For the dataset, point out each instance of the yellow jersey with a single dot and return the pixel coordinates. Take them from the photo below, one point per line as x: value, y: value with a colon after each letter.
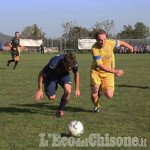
x: 104, y: 55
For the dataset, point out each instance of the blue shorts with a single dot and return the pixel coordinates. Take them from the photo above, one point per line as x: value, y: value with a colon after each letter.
x: 50, y: 85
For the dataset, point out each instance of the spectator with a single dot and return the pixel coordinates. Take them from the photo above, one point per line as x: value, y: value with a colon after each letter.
x: 144, y: 49
x: 122, y: 49
x: 140, y: 49
x: 126, y: 50
x: 42, y: 48
x: 135, y: 49
x: 148, y: 48
x: 1, y: 48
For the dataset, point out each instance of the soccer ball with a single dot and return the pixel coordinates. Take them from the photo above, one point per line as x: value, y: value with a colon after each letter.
x: 75, y: 128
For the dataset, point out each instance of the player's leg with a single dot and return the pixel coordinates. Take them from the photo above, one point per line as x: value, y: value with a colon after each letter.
x: 64, y: 99
x: 50, y: 88
x: 95, y: 98
x: 95, y: 82
x: 65, y: 82
x: 109, y: 93
x: 16, y: 61
x: 16, y: 58
x: 108, y: 85
x: 12, y: 60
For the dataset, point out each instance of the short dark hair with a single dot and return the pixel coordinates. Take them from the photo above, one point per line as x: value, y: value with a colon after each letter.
x: 99, y: 32
x: 69, y: 60
x: 16, y: 32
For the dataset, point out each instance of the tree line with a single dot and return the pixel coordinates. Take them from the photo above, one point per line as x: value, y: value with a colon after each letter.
x: 72, y: 31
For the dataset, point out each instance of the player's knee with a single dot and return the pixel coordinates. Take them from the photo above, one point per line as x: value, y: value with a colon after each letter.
x: 17, y: 58
x: 52, y: 97
x: 68, y: 91
x: 109, y: 95
x: 94, y: 96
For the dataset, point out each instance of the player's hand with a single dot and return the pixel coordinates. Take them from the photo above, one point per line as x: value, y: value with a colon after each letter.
x: 77, y: 93
x: 119, y: 73
x: 131, y: 49
x: 14, y: 48
x: 39, y: 94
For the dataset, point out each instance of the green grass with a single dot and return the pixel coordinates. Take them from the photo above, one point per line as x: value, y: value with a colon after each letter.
x: 22, y: 119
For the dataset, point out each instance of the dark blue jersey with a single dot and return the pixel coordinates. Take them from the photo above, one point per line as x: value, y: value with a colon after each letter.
x: 56, y: 69
x: 15, y: 43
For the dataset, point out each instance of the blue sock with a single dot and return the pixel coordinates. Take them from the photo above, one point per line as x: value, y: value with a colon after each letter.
x: 63, y: 103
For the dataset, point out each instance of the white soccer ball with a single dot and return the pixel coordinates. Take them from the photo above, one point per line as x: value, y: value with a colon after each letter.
x: 75, y: 128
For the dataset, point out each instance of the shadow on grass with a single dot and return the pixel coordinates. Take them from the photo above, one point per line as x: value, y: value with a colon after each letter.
x: 52, y: 107
x: 14, y: 110
x: 2, y: 68
x: 36, y: 109
x: 133, y: 86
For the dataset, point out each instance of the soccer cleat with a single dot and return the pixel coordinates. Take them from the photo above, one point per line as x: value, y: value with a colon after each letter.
x: 14, y: 68
x: 96, y: 109
x: 8, y: 63
x: 59, y: 113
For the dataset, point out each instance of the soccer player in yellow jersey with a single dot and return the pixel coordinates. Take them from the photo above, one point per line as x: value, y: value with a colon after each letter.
x: 103, y: 67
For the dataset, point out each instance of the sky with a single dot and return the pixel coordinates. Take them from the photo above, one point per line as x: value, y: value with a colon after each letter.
x: 50, y: 14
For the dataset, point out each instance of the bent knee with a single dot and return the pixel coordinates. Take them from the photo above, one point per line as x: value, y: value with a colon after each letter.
x: 68, y: 91
x: 109, y: 95
x: 94, y: 96
x: 52, y: 97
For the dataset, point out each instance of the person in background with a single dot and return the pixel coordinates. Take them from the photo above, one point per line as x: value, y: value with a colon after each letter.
x: 148, y: 48
x: 1, y: 48
x: 42, y: 48
x: 14, y: 44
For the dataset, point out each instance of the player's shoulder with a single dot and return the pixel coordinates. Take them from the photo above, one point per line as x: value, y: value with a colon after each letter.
x: 12, y: 39
x: 110, y: 40
x: 114, y: 42
x: 94, y: 45
x: 58, y: 57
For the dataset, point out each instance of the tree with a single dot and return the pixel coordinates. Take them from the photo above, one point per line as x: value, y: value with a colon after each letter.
x: 107, y: 25
x: 140, y: 31
x: 67, y: 26
x: 72, y: 32
x: 78, y: 32
x: 127, y: 32
x: 32, y: 32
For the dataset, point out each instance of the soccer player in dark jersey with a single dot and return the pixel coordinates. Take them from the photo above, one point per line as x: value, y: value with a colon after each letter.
x: 57, y: 72
x: 14, y: 44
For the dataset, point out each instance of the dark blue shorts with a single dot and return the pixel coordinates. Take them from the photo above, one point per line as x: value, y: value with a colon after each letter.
x: 50, y: 85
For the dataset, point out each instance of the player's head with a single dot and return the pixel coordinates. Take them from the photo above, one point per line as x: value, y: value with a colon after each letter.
x: 100, y: 37
x: 16, y: 34
x: 69, y: 61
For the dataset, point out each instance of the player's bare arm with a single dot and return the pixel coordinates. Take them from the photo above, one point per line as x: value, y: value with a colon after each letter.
x: 39, y: 93
x: 107, y: 69
x: 76, y: 78
x: 10, y: 45
x: 126, y: 45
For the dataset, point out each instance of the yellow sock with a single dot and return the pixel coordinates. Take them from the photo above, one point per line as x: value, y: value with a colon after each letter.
x: 96, y: 102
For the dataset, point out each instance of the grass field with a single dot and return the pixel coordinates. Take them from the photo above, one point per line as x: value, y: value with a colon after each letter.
x: 22, y: 119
